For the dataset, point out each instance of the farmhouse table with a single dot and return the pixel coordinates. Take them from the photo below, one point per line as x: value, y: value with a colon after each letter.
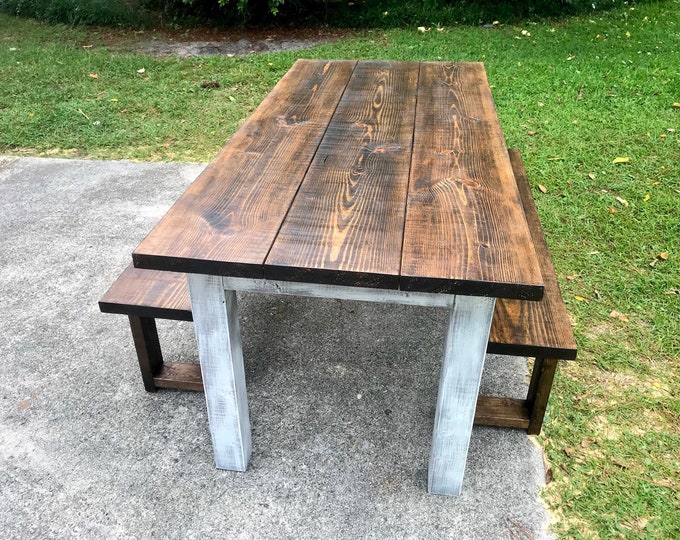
x: 366, y: 180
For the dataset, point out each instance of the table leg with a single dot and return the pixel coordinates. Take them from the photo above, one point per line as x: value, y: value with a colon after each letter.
x: 219, y: 350
x: 461, y: 373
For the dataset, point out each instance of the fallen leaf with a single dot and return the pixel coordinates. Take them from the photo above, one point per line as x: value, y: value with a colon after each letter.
x: 612, y: 210
x: 572, y: 277
x: 672, y: 291
x: 542, y: 188
x: 531, y: 133
x: 676, y: 105
x: 142, y: 70
x: 579, y: 298
x: 94, y: 76
x: 663, y: 256
x: 646, y: 197
x: 232, y: 98
x: 653, y: 263
x: 113, y: 100
x: 621, y: 160
x: 620, y: 316
x: 623, y: 201
x: 422, y: 29
x: 591, y: 175
x: 570, y: 451
x: 667, y: 483
x: 587, y: 442
x: 210, y: 84
x: 25, y: 404
x: 598, y: 295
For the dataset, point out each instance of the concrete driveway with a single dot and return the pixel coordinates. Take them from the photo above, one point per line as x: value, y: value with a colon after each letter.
x: 341, y: 395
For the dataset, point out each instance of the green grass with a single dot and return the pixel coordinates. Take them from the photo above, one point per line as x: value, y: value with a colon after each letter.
x: 572, y: 94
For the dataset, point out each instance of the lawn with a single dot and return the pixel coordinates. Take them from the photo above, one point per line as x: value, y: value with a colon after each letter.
x: 593, y: 103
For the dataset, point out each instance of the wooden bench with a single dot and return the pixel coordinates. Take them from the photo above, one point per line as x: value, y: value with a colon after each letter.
x: 520, y: 328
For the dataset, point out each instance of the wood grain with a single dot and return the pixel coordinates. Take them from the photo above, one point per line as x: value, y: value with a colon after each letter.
x: 539, y: 391
x: 346, y: 224
x: 533, y: 328
x: 148, y: 293
x: 226, y: 220
x: 461, y: 373
x: 465, y: 230
x: 502, y: 412
x: 218, y: 337
x: 179, y: 375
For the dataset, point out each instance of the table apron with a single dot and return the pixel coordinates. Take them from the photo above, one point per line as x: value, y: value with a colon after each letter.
x: 339, y: 292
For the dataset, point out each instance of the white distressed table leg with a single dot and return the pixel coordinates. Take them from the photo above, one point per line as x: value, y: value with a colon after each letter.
x: 461, y: 373
x: 219, y: 349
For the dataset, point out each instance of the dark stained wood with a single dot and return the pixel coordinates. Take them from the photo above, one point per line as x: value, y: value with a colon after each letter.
x: 346, y: 224
x: 465, y: 231
x: 148, y: 293
x: 305, y: 192
x: 181, y: 376
x: 539, y: 391
x: 145, y: 337
x: 541, y: 329
x: 502, y: 412
x: 225, y: 222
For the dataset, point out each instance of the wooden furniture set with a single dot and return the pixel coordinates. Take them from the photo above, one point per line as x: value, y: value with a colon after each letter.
x: 377, y: 181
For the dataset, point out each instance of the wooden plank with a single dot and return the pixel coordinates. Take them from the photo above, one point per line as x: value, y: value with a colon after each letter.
x: 219, y: 349
x: 317, y: 290
x: 148, y: 349
x: 465, y: 230
x: 539, y: 392
x: 181, y: 376
x: 461, y: 374
x: 346, y: 224
x: 502, y: 412
x: 225, y: 222
x: 148, y: 293
x: 534, y: 328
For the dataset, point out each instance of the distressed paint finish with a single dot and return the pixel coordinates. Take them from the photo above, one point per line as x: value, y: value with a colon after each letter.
x: 461, y: 373
x: 219, y: 349
x: 339, y: 292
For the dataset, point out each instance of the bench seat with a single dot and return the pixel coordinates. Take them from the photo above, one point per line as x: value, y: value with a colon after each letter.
x: 520, y: 328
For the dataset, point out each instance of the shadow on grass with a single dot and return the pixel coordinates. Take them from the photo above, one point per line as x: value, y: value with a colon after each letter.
x: 396, y: 13
x: 334, y: 13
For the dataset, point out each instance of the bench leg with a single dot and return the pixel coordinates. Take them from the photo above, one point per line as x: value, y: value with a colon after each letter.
x: 219, y: 349
x: 461, y: 373
x: 539, y: 392
x: 145, y: 336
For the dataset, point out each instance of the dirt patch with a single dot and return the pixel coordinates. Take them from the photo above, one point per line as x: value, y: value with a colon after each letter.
x: 207, y: 41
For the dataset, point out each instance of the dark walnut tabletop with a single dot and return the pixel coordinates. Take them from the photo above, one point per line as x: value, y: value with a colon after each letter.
x: 373, y: 174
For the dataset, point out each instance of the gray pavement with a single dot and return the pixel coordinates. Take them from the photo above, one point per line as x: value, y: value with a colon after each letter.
x: 341, y: 395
